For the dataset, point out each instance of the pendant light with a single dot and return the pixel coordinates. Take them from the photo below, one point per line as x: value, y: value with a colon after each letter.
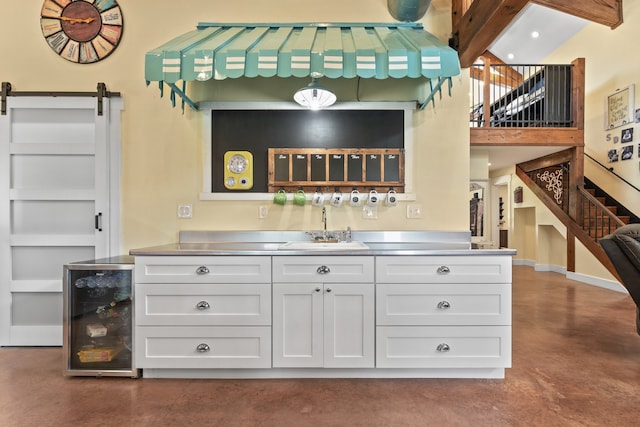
x: 314, y: 96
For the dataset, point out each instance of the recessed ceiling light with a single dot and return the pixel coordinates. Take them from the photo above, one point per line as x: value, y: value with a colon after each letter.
x: 535, y: 34
x: 510, y: 55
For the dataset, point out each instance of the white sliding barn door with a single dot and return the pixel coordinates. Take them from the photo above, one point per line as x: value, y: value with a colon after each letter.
x: 55, y: 206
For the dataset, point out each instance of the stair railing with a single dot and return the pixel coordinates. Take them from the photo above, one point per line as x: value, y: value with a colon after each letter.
x: 594, y: 217
x: 610, y: 169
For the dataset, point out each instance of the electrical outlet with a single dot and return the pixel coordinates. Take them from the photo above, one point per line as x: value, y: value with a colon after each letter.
x: 185, y: 211
x: 370, y: 212
x: 414, y: 211
x: 263, y: 211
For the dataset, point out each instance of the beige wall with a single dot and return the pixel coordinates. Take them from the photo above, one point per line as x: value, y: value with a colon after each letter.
x: 162, y: 146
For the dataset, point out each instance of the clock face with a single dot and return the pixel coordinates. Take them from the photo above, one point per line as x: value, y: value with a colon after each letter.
x: 237, y: 163
x: 82, y: 31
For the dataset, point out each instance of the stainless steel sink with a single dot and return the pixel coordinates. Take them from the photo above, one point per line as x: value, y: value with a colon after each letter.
x: 323, y: 245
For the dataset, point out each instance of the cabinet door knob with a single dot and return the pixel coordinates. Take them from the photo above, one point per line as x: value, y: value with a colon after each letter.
x: 318, y: 289
x: 328, y: 289
x: 323, y: 269
x: 443, y: 269
x: 443, y: 305
x: 202, y: 305
x: 203, y: 348
x: 443, y: 348
x: 202, y: 270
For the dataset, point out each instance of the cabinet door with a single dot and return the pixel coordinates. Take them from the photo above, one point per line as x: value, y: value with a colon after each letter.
x: 58, y: 204
x: 297, y: 325
x: 349, y: 325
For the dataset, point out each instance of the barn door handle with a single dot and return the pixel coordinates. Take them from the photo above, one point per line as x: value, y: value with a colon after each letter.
x: 98, y: 220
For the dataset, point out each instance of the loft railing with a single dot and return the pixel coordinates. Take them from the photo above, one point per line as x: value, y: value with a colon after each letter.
x: 521, y: 96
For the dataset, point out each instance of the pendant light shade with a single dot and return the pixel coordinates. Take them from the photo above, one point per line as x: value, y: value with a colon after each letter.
x: 314, y: 96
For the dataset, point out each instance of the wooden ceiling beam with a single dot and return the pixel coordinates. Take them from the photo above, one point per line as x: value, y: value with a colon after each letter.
x: 480, y: 25
x: 507, y: 72
x: 605, y: 12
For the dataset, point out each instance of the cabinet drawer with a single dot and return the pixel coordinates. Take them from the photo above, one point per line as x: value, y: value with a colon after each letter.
x: 203, y: 347
x: 443, y: 347
x: 203, y: 304
x: 323, y: 269
x: 444, y: 269
x: 443, y: 304
x: 203, y: 269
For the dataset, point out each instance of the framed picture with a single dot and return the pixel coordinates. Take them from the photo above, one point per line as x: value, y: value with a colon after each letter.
x: 619, y: 108
x: 627, y: 152
x: 612, y: 155
x: 627, y: 135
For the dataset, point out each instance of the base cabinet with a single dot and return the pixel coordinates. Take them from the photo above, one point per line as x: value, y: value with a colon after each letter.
x: 286, y: 316
x: 323, y: 325
x: 203, y: 312
x: 443, y: 312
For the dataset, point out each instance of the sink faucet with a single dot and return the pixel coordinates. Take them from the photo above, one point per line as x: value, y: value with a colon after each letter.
x: 324, y: 224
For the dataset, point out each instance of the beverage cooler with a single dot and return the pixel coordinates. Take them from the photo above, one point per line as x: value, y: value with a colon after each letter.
x: 98, y: 318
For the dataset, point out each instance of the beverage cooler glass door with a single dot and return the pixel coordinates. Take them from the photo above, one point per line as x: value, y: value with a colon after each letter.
x: 98, y: 320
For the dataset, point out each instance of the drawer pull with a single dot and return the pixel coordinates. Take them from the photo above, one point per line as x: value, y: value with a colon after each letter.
x: 443, y: 269
x: 202, y: 305
x: 443, y: 348
x: 443, y: 305
x: 202, y: 270
x: 203, y: 348
x: 323, y: 269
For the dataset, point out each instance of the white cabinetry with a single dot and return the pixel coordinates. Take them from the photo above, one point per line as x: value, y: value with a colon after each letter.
x: 443, y: 312
x: 323, y: 312
x: 203, y: 312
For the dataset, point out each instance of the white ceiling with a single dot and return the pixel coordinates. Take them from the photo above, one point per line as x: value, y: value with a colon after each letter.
x: 554, y: 27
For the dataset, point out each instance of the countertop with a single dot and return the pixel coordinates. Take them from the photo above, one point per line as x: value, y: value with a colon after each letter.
x: 271, y: 243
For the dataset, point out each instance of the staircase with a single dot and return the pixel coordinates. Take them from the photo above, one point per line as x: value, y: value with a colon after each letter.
x: 600, y: 219
x: 587, y: 212
x: 615, y: 207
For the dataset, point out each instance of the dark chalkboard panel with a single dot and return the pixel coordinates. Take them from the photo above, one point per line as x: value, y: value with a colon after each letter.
x: 336, y: 167
x: 318, y: 167
x: 259, y: 130
x: 391, y: 167
x: 281, y: 162
x: 300, y: 167
x: 354, y: 165
x: 373, y: 167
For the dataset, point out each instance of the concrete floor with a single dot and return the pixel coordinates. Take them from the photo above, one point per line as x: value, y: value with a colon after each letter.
x: 576, y: 362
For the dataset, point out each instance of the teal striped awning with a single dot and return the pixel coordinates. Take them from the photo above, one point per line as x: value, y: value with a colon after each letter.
x: 339, y: 50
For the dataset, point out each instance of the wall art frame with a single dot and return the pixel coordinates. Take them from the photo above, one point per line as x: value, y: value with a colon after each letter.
x: 620, y: 108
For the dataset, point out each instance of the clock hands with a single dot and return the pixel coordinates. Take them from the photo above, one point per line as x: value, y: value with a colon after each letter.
x: 77, y: 20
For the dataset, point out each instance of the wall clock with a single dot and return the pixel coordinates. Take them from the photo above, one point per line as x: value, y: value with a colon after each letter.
x: 82, y: 31
x: 238, y: 171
